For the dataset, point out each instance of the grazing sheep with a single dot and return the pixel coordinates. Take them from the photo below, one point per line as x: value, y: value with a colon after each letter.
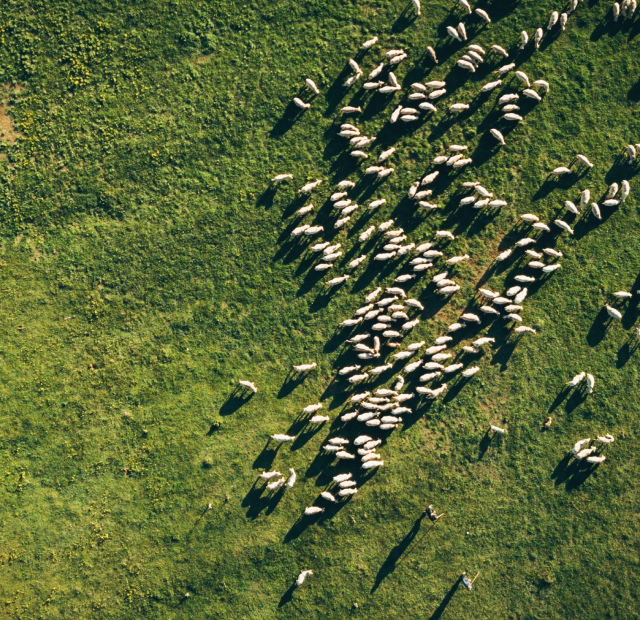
x: 250, y: 385
x: 301, y: 104
x: 596, y: 459
x: 305, y: 367
x: 272, y: 486
x: 281, y: 177
x: 497, y: 429
x: 613, y: 312
x: 282, y: 438
x: 267, y: 475
x: 524, y: 39
x: 291, y: 480
x: 313, y: 510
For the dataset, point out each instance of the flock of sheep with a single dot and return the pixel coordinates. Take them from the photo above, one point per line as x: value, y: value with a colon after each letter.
x: 386, y: 318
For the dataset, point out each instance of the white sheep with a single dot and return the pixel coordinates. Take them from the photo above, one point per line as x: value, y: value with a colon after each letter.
x: 497, y: 429
x: 305, y: 367
x: 313, y: 510
x: 538, y: 37
x: 613, y: 312
x: 301, y: 104
x: 524, y: 39
x: 282, y: 438
x: 291, y: 480
x: 267, y: 475
x: 250, y: 385
x: 281, y: 177
x: 272, y: 486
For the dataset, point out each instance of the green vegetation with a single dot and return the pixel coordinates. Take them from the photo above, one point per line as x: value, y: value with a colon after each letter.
x: 144, y: 271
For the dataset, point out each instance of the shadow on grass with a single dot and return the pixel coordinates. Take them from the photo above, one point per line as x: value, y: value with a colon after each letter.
x: 437, y: 614
x: 399, y: 552
x: 291, y: 382
x: 599, y: 328
x: 256, y: 501
x: 572, y: 472
x: 287, y: 597
x: 235, y: 400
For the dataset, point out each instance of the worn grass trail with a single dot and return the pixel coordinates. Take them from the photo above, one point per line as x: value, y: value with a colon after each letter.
x: 145, y: 269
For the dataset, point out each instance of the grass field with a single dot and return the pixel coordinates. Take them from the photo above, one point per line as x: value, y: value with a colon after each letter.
x: 145, y: 268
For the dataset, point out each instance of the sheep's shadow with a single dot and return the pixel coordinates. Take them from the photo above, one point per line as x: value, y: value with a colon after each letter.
x: 238, y: 397
x: 576, y: 399
x: 484, y: 444
x: 626, y: 351
x: 265, y: 459
x: 257, y: 502
x: 292, y: 114
x: 599, y: 328
x: 572, y: 473
x: 399, y: 552
x: 564, y: 392
x: 291, y: 382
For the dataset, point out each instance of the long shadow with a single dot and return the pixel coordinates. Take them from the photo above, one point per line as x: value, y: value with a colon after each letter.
x: 291, y: 382
x: 576, y: 399
x: 287, y: 597
x: 599, y: 328
x: 484, y: 444
x: 397, y: 553
x: 564, y: 392
x: 437, y: 614
x: 300, y: 526
x: 405, y: 19
x: 265, y: 459
x: 625, y: 352
x: 267, y: 197
x: 291, y: 115
x: 572, y: 473
x: 235, y: 400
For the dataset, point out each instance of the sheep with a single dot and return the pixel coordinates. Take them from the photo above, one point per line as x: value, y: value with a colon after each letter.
x: 538, y: 37
x: 542, y: 84
x: 498, y: 136
x: 465, y: 5
x: 292, y: 478
x: 532, y: 94
x: 484, y: 15
x: 571, y: 207
x: 267, y: 475
x: 552, y: 252
x: 562, y: 224
x: 312, y: 408
x: 497, y: 429
x: 607, y: 439
x: 614, y: 313
x: 385, y: 172
x: 611, y: 202
x: 523, y: 329
x: 346, y: 418
x: 560, y: 171
x: 551, y: 268
x: 301, y: 104
x: 616, y: 11
x: 272, y: 486
x: 369, y: 44
x: 349, y: 109
x: 305, y: 367
x: 541, y: 226
x: 452, y: 368
x: 504, y: 255
x: 500, y: 50
x: 372, y: 464
x: 454, y: 327
x: 482, y: 341
x: 622, y: 295
x: 458, y: 107
x: 502, y: 301
x: 452, y: 32
x: 313, y: 510
x: 521, y: 296
x: 448, y: 290
x: 341, y: 222
x: 338, y: 441
x: 319, y: 419
x: 313, y: 230
x: 524, y: 279
x: 416, y: 5
x: 524, y: 39
x: 583, y: 160
x: 553, y: 20
x: 347, y: 492
x: 563, y: 21
x: 372, y: 456
x: 596, y: 459
x: 498, y: 203
x: 281, y: 177
x: 523, y: 78
x: 436, y: 94
x: 470, y: 317
x: 626, y: 189
x: 469, y: 372
x: 336, y: 281
x: 250, y: 385
x: 366, y: 234
x: 595, y: 209
x: 585, y: 453
x: 343, y: 455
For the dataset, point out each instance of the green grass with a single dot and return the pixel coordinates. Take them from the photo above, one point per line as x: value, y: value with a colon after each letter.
x: 143, y: 272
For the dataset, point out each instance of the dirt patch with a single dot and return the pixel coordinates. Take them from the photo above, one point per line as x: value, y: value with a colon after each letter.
x: 8, y: 132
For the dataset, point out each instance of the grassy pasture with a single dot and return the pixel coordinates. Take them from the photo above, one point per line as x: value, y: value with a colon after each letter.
x: 145, y: 268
